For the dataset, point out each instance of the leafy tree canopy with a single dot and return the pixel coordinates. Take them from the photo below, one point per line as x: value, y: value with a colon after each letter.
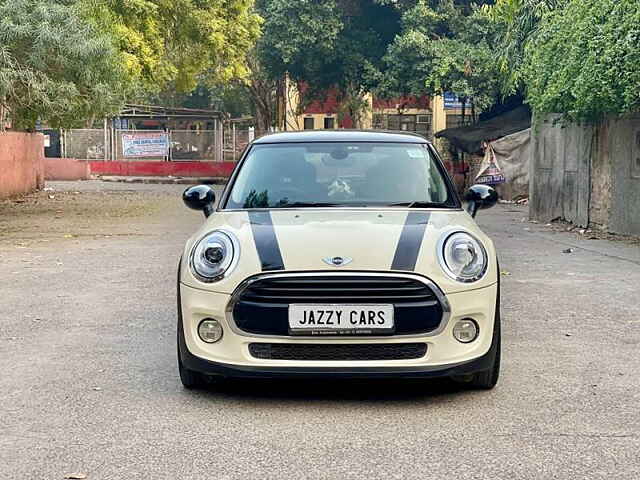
x: 584, y: 60
x: 330, y: 43
x: 55, y: 66
x: 180, y: 42
x: 514, y: 23
x: 68, y: 61
x: 443, y: 45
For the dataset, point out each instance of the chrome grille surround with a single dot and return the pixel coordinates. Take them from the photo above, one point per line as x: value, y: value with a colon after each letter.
x: 236, y: 296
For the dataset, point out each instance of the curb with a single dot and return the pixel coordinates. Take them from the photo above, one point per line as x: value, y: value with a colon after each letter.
x: 165, y: 180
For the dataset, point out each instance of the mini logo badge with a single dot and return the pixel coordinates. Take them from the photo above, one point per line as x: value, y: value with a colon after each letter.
x: 337, y: 261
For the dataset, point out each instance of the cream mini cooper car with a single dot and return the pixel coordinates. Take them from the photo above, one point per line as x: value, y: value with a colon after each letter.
x: 339, y: 254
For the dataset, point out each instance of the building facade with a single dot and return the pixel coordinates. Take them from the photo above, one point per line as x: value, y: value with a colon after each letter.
x: 424, y: 115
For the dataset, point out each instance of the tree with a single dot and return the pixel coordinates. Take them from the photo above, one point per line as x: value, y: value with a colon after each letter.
x: 179, y: 43
x: 262, y: 89
x: 55, y: 66
x: 515, y: 23
x: 328, y: 44
x: 584, y: 60
x: 443, y: 46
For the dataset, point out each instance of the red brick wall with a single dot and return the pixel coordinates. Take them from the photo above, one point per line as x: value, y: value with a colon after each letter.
x: 21, y: 163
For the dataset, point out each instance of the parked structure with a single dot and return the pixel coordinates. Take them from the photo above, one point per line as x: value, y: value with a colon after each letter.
x: 505, y: 137
x: 146, y: 140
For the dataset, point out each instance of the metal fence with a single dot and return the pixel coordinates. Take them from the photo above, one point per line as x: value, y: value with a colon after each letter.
x: 92, y: 144
x: 408, y: 123
x: 107, y: 144
x: 193, y: 145
x: 236, y: 139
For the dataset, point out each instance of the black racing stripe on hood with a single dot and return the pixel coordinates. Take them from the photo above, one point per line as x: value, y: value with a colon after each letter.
x: 266, y: 241
x: 410, y: 241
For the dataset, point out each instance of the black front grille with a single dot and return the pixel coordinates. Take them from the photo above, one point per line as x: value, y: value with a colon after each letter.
x: 286, y: 290
x: 262, y: 307
x: 355, y: 352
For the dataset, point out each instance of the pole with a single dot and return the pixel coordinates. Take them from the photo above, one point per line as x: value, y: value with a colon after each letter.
x: 114, y: 143
x: 233, y: 130
x: 215, y: 140
x: 220, y: 140
x: 106, y: 149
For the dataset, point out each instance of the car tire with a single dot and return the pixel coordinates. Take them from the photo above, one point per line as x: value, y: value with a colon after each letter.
x: 487, y: 379
x: 190, y: 379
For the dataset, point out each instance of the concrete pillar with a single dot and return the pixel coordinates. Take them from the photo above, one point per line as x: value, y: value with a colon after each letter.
x: 439, y: 114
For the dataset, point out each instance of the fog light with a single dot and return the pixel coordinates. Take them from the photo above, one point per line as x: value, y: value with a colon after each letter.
x: 466, y: 331
x: 210, y: 330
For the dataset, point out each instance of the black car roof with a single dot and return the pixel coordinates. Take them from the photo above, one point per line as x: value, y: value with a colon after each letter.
x: 342, y: 136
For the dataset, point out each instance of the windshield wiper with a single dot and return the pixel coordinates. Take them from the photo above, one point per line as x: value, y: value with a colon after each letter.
x: 418, y: 204
x: 306, y: 204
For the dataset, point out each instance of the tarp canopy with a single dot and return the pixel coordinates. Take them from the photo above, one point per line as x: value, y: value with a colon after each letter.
x: 469, y: 139
x: 513, y: 154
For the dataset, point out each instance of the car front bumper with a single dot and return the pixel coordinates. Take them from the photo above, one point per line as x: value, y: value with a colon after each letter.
x: 230, y: 357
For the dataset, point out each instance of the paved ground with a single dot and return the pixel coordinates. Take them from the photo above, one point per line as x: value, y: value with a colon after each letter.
x: 89, y: 382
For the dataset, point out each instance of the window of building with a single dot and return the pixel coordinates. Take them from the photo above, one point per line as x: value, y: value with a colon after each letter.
x: 380, y: 121
x: 329, y: 123
x: 308, y: 123
x: 454, y: 121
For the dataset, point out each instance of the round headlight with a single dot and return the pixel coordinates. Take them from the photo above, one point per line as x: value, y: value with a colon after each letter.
x: 463, y: 257
x: 213, y: 256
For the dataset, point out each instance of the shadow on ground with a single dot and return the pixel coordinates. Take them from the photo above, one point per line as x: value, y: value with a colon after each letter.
x: 334, y: 390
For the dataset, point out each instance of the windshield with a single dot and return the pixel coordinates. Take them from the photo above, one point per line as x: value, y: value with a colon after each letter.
x: 339, y: 174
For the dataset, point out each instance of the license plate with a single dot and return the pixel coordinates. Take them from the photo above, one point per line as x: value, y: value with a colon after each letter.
x: 340, y: 319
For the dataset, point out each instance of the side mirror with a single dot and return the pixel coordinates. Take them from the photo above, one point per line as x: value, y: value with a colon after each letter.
x: 480, y: 197
x: 200, y: 197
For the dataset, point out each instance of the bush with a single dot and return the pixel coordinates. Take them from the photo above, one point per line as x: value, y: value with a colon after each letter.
x: 584, y: 61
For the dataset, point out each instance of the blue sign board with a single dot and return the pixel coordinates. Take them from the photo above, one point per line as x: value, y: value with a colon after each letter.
x: 451, y: 101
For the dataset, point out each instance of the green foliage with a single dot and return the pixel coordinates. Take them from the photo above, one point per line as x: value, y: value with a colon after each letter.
x: 443, y: 46
x: 327, y: 44
x: 55, y: 66
x: 178, y: 43
x: 514, y: 23
x: 584, y: 60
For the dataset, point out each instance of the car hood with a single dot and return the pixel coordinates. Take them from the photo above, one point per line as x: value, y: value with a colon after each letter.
x: 368, y: 240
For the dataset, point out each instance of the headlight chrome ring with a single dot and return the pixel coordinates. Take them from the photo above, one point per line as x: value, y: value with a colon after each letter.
x: 462, y: 256
x: 214, y: 256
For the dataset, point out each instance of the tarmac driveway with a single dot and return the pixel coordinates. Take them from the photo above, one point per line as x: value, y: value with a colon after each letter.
x: 89, y: 382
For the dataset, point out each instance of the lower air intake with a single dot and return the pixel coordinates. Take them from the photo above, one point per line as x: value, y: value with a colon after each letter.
x: 337, y: 352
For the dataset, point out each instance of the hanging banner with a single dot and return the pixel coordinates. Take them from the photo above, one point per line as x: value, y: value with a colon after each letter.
x: 490, y: 171
x: 145, y: 144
